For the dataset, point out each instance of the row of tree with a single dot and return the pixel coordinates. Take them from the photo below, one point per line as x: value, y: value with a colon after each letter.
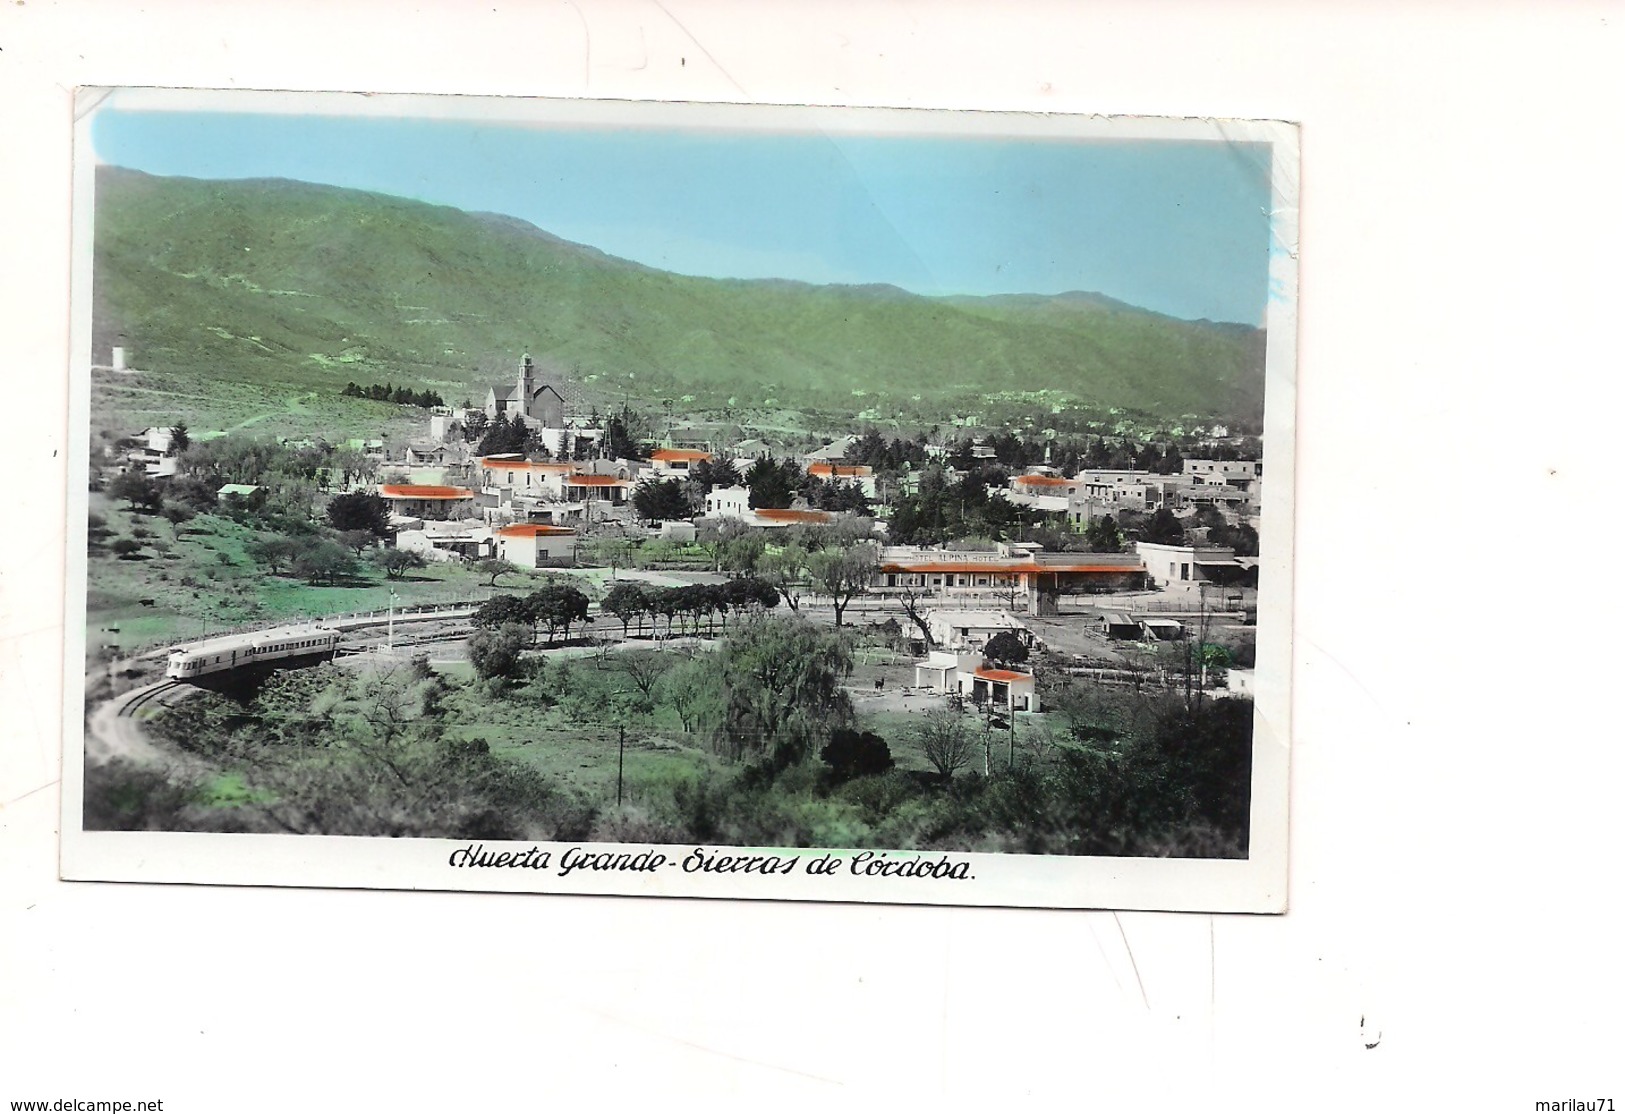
x: 558, y: 607
x: 685, y: 606
x: 385, y: 392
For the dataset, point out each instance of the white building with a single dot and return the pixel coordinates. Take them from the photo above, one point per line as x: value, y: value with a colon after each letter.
x: 1235, y: 472
x: 971, y: 630
x: 966, y: 675
x: 728, y: 502
x: 667, y: 464
x: 443, y: 541
x: 535, y: 545
x: 1187, y: 564
x: 1003, y: 688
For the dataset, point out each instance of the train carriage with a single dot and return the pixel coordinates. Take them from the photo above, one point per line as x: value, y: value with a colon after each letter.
x: 262, y: 647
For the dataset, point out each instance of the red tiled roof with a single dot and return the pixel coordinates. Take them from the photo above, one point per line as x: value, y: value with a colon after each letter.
x: 423, y: 491
x: 535, y: 530
x: 1002, y: 675
x: 679, y: 454
x: 496, y: 465
x: 827, y: 468
x: 584, y: 479
x: 1001, y: 567
x: 786, y: 514
x: 1040, y: 480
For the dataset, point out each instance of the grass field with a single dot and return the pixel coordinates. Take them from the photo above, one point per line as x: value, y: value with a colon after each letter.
x: 125, y: 403
x: 202, y: 580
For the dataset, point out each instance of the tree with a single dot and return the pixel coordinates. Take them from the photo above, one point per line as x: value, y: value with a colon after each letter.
x: 348, y: 466
x: 495, y: 567
x: 275, y: 553
x: 733, y: 546
x: 747, y: 592
x: 627, y: 600
x: 191, y: 492
x: 784, y: 570
x: 499, y: 610
x: 661, y: 501
x: 497, y: 653
x: 177, y: 513
x: 474, y: 424
x: 357, y: 540
x: 706, y: 474
x: 622, y: 433
x: 180, y: 439
x: 359, y: 510
x: 947, y: 742
x: 322, y: 560
x: 850, y: 754
x: 772, y: 484
x: 913, y: 601
x: 690, y: 690
x: 1241, y: 538
x: 1164, y: 528
x: 644, y: 668
x: 843, y: 574
x: 1103, y: 536
x: 503, y: 436
x: 144, y: 494
x: 1205, y: 761
x: 126, y: 548
x: 617, y: 553
x: 1006, y: 649
x: 558, y: 606
x: 781, y: 683
x: 396, y: 562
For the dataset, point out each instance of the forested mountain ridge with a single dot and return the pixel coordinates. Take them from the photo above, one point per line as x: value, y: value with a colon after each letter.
x: 310, y: 286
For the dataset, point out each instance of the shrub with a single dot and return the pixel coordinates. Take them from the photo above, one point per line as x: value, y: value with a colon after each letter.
x: 850, y: 754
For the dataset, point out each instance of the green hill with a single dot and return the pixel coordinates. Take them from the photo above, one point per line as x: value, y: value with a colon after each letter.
x: 289, y: 285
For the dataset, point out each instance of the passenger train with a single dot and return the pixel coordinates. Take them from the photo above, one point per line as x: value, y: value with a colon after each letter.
x: 234, y: 651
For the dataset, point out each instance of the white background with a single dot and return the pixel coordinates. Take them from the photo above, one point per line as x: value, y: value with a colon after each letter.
x: 1455, y: 880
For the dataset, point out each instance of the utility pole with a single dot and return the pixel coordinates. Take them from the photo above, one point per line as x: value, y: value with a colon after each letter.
x: 1202, y: 643
x: 987, y: 737
x: 392, y: 598
x: 620, y: 766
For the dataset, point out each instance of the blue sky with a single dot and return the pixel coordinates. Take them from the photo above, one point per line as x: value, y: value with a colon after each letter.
x: 1177, y: 227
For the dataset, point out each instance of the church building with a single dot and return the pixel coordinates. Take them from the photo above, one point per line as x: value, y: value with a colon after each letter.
x: 539, y: 402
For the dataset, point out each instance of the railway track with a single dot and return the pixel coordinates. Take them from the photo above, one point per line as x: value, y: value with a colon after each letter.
x: 142, y: 698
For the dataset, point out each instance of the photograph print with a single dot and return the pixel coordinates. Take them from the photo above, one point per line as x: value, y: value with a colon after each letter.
x: 676, y: 499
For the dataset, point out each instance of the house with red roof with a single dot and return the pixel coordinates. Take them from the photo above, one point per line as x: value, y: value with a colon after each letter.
x: 579, y: 487
x: 1005, y: 576
x: 831, y: 471
x: 970, y: 676
x: 1003, y: 688
x: 1043, y: 490
x: 536, y: 545
x: 666, y: 464
x: 428, y: 501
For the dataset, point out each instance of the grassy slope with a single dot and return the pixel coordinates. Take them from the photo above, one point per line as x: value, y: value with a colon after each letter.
x: 306, y: 287
x: 203, y: 580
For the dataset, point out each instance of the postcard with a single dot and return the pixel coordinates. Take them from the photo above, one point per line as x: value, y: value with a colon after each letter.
x: 666, y: 499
